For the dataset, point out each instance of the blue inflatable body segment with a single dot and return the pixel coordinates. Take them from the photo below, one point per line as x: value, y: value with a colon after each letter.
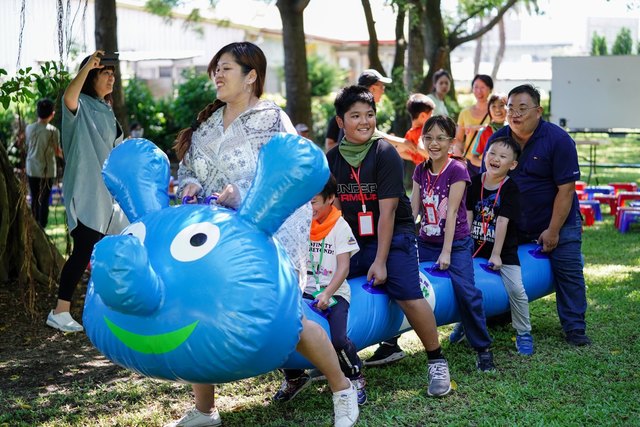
x: 373, y: 317
x: 141, y: 162
x: 200, y: 293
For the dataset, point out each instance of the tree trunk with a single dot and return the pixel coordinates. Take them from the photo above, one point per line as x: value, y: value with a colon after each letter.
x: 298, y: 91
x: 106, y: 34
x: 501, y: 48
x: 397, y: 91
x: 27, y: 257
x: 374, y: 59
x: 415, y: 50
x: 436, y: 44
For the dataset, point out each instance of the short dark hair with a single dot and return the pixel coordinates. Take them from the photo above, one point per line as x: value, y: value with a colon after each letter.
x: 44, y: 108
x: 349, y: 95
x: 507, y: 141
x: 484, y: 79
x: 445, y: 123
x: 528, y: 89
x: 419, y: 103
x: 330, y: 188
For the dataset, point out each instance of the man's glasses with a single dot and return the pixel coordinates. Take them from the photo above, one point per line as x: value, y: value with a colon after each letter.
x: 428, y: 139
x: 519, y: 112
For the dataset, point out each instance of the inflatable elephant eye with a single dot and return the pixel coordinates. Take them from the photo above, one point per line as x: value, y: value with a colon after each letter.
x: 195, y: 241
x: 138, y: 230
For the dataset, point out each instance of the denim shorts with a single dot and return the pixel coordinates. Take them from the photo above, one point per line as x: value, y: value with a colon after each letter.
x: 403, y: 277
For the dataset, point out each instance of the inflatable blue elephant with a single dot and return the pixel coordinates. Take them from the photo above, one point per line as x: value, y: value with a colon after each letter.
x: 200, y: 293
x: 204, y: 294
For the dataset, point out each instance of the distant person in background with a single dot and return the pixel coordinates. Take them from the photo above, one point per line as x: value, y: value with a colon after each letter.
x: 89, y: 132
x: 498, y: 114
x: 136, y: 130
x: 471, y: 120
x: 303, y: 130
x: 441, y: 87
x: 546, y: 175
x: 420, y: 107
x: 43, y: 146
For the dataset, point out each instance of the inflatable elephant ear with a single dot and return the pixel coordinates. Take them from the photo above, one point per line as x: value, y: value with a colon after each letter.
x: 137, y: 174
x: 282, y: 186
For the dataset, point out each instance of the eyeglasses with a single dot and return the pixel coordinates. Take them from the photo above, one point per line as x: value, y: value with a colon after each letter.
x: 428, y: 139
x: 519, y: 112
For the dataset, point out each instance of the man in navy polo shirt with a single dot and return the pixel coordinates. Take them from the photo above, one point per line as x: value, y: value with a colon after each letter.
x: 546, y: 174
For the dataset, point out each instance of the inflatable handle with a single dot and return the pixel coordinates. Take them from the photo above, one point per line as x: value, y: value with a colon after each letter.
x: 488, y: 269
x: 373, y: 289
x: 186, y: 199
x: 313, y: 305
x: 209, y: 199
x: 538, y: 254
x: 435, y: 271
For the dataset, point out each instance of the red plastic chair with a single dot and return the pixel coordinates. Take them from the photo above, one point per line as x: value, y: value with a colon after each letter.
x: 608, y: 199
x: 624, y: 186
x: 588, y: 214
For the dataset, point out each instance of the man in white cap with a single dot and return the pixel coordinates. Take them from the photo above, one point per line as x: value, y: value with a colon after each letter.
x: 303, y: 130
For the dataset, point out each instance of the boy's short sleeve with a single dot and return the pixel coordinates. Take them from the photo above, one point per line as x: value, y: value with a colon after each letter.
x: 510, y: 200
x: 345, y: 240
x: 390, y: 172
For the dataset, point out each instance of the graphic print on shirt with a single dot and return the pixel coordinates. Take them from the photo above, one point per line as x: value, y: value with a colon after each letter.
x: 433, y: 200
x: 484, y: 219
x: 313, y: 265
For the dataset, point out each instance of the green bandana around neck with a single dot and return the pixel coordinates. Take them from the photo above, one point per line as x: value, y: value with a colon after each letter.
x: 354, y: 154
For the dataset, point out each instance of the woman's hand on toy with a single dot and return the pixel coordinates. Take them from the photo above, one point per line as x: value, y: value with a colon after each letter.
x: 189, y: 193
x: 230, y: 197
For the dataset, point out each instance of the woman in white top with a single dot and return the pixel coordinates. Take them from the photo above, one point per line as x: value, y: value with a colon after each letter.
x: 219, y: 154
x: 441, y: 87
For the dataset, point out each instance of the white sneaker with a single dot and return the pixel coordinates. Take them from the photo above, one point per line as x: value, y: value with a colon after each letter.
x: 64, y: 322
x: 195, y: 418
x: 345, y: 407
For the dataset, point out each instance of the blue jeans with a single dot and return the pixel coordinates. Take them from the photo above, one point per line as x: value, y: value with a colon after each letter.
x: 568, y: 277
x: 468, y: 297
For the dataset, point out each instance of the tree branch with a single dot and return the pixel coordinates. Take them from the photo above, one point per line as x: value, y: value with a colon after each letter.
x: 455, y: 40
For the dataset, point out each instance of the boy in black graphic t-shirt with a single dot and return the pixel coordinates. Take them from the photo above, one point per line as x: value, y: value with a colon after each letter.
x: 371, y: 195
x: 493, y: 207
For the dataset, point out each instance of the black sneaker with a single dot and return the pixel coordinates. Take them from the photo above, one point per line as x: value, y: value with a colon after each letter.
x: 290, y: 388
x: 577, y: 338
x: 484, y: 363
x: 385, y: 354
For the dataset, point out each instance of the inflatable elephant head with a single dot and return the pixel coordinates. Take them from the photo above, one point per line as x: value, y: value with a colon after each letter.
x: 200, y: 293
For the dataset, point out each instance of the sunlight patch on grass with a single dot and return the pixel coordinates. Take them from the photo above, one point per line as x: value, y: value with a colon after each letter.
x: 610, y: 272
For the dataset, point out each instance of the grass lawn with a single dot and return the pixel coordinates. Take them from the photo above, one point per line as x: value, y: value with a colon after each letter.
x: 558, y: 386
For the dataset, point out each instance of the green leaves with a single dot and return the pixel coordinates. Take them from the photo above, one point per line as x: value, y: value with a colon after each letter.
x: 28, y: 86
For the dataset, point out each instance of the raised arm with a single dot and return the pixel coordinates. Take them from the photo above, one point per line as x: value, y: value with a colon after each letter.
x: 72, y: 94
